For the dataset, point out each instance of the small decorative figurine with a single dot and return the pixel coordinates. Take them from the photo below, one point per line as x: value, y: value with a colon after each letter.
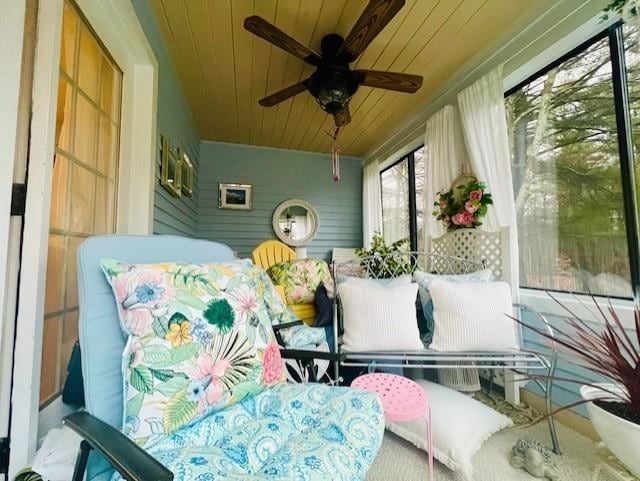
x: 534, y: 458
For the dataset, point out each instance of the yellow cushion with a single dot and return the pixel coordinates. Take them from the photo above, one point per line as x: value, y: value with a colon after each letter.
x: 304, y: 312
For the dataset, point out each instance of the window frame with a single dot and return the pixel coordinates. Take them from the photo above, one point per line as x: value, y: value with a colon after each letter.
x: 413, y: 211
x: 615, y: 37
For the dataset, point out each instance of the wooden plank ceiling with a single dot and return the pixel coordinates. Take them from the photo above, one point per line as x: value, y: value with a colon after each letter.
x: 224, y: 70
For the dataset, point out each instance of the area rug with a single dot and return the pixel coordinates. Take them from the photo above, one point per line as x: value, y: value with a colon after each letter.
x: 401, y: 461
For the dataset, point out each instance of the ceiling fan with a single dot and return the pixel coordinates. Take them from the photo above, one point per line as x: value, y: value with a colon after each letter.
x: 334, y: 83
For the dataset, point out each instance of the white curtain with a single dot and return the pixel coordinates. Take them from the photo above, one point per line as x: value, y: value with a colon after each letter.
x: 444, y: 161
x: 484, y: 125
x: 371, y: 202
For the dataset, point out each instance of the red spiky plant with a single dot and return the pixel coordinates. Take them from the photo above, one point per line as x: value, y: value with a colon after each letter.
x: 609, y: 352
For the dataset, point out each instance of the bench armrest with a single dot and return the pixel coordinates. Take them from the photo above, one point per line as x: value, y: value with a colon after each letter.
x: 126, y: 457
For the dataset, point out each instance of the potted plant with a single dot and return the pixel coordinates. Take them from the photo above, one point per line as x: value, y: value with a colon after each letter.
x: 382, y: 260
x: 613, y: 355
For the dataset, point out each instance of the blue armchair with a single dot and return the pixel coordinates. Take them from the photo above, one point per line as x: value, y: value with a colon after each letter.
x: 289, y: 431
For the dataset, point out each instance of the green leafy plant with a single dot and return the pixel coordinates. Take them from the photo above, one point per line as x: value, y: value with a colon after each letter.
x: 382, y: 260
x: 463, y: 207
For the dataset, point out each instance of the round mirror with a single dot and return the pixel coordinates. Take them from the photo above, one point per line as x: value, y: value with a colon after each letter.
x: 295, y: 222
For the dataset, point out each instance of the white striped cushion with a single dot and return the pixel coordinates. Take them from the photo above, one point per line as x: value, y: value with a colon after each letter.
x: 473, y: 317
x: 379, y: 318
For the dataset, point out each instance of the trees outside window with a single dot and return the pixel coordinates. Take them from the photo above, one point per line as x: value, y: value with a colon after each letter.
x: 566, y: 160
x: 402, y: 186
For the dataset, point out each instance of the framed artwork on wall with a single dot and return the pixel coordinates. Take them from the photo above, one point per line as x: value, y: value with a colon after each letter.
x: 234, y: 196
x: 170, y: 168
x: 187, y: 175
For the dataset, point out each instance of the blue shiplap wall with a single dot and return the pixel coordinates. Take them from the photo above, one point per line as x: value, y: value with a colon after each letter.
x: 277, y: 175
x: 171, y: 215
x: 565, y: 392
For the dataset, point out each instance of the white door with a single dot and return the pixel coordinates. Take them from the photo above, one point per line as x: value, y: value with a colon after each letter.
x: 17, y: 43
x: 111, y: 27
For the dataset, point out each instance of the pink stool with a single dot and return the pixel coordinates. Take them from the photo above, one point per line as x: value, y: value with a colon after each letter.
x: 402, y: 400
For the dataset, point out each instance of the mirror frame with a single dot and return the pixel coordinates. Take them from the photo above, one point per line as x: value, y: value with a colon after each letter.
x: 280, y: 210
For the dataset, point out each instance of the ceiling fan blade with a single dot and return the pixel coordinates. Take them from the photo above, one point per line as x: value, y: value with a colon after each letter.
x: 402, y: 82
x: 284, y: 94
x: 272, y: 34
x: 376, y: 15
x: 343, y: 117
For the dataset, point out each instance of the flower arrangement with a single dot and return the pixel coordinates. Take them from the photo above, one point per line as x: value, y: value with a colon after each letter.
x: 464, y: 208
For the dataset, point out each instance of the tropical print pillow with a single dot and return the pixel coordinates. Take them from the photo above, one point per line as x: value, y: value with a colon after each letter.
x: 300, y: 279
x: 200, y: 339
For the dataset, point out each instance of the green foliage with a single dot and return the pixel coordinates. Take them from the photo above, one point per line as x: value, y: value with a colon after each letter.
x: 134, y: 404
x: 219, y: 313
x: 191, y: 279
x: 141, y: 379
x: 172, y: 386
x: 178, y: 411
x: 383, y: 260
x: 618, y: 7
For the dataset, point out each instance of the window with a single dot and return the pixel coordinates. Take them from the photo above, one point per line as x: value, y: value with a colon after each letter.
x: 84, y: 189
x: 402, y: 187
x: 570, y: 169
x: 394, y: 183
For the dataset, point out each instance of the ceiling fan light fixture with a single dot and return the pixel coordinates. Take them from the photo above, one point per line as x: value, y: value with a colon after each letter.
x: 333, y: 88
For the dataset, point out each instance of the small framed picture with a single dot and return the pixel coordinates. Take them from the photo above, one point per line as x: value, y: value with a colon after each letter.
x: 170, y: 168
x: 187, y: 175
x: 234, y: 196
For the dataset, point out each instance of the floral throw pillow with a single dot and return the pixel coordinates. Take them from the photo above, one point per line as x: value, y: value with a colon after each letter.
x: 200, y: 339
x: 300, y: 279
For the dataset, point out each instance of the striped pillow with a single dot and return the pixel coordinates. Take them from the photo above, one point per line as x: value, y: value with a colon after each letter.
x: 473, y: 317
x: 379, y: 318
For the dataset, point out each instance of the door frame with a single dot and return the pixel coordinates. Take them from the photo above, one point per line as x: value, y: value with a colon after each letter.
x: 117, y: 25
x: 13, y: 104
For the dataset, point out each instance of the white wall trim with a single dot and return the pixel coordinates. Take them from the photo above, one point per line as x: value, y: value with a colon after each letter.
x: 580, y: 304
x: 580, y: 35
x: 12, y: 23
x: 28, y: 344
x: 510, y: 53
x: 117, y: 25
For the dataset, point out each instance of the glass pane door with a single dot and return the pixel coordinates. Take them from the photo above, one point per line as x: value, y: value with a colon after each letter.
x: 83, y: 198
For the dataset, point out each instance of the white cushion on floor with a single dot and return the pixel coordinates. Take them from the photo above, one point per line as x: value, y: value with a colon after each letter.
x: 460, y: 426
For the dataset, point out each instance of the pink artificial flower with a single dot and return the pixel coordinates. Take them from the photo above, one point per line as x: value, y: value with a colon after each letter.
x: 465, y: 218
x: 470, y: 207
x: 475, y: 194
x: 272, y: 365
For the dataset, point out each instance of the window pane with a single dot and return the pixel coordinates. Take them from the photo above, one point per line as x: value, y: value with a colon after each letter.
x: 632, y: 54
x: 567, y: 179
x: 395, y: 201
x: 418, y: 157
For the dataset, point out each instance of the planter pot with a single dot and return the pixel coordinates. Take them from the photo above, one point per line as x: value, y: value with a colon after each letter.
x: 622, y: 437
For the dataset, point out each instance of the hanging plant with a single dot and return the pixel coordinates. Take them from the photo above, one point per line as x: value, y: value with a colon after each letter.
x: 463, y: 206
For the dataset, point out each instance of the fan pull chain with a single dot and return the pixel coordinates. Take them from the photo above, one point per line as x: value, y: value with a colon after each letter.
x: 335, y: 155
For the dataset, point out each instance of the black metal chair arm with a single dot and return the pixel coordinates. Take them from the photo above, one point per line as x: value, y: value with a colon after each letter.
x: 130, y: 460
x: 304, y: 355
